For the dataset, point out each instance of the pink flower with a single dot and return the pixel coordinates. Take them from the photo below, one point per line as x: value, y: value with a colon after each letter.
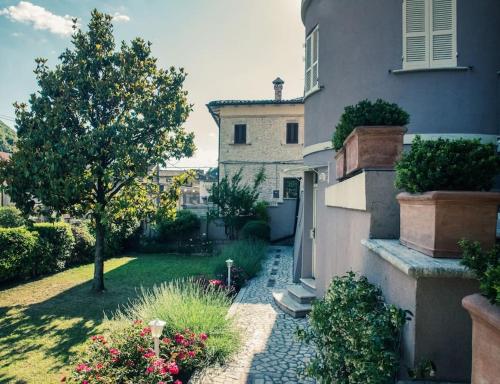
x: 203, y: 336
x: 83, y: 368
x: 136, y: 322
x: 215, y: 282
x: 173, y: 368
x: 150, y: 369
x: 149, y: 354
x: 192, y: 353
x: 166, y: 340
x: 177, y: 382
x: 98, y: 366
x: 114, y: 351
x: 179, y: 338
x: 85, y: 382
x: 145, y: 331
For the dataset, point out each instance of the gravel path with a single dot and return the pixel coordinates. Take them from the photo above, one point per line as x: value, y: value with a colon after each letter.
x: 270, y: 352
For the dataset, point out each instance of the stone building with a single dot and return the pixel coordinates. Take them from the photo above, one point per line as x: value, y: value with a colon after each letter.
x: 439, y: 60
x: 268, y: 135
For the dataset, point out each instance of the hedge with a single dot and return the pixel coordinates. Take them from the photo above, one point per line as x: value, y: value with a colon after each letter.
x: 84, y: 249
x: 17, y: 245
x: 11, y: 217
x: 256, y: 230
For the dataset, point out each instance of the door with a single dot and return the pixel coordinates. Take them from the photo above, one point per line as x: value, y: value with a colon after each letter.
x: 313, y: 231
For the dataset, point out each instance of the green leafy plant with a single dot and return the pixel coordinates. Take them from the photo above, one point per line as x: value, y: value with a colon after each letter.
x: 98, y: 123
x: 424, y: 370
x: 235, y: 202
x: 17, y: 246
x: 486, y: 266
x: 11, y: 217
x: 451, y: 165
x: 246, y: 255
x: 54, y: 247
x: 8, y: 138
x: 260, y: 211
x: 256, y: 230
x: 368, y: 113
x: 356, y: 335
x: 179, y: 228
x: 83, y: 249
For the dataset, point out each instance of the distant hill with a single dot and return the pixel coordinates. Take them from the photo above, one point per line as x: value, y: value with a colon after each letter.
x: 8, y: 138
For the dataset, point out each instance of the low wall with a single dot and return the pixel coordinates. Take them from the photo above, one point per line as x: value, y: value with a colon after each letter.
x: 283, y: 219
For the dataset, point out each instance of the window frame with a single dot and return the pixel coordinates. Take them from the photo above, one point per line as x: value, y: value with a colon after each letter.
x: 296, y: 124
x: 285, y: 179
x: 429, y: 62
x: 311, y: 38
x: 237, y: 136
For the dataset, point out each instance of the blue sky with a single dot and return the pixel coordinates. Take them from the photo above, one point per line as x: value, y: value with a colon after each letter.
x: 230, y: 48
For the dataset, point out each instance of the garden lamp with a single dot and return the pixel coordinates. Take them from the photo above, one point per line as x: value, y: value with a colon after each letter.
x: 156, y: 330
x: 229, y: 263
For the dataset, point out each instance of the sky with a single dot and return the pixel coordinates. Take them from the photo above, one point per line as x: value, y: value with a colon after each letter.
x: 231, y: 49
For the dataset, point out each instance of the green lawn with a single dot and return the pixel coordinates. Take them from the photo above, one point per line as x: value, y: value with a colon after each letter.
x: 42, y: 323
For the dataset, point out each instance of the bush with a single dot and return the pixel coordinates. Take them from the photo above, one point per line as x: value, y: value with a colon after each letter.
x: 486, y: 266
x: 260, y: 211
x: 367, y: 113
x: 451, y: 165
x: 356, y: 335
x: 187, y: 304
x: 183, y: 226
x: 11, y: 217
x: 256, y: 230
x: 84, y: 248
x: 54, y: 248
x: 247, y: 257
x: 127, y: 356
x: 17, y: 246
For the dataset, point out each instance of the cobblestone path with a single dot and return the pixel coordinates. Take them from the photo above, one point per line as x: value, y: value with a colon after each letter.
x: 270, y: 352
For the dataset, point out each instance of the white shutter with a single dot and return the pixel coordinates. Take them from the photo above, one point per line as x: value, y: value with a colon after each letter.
x: 443, y: 35
x: 315, y: 57
x: 308, y: 79
x: 415, y: 34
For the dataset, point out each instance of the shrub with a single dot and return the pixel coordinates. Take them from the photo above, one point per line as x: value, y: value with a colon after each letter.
x: 367, y: 113
x: 247, y: 257
x: 356, y: 335
x: 184, y: 225
x: 84, y: 248
x: 260, y: 211
x: 486, y: 266
x: 11, y: 217
x: 187, y: 304
x: 17, y: 246
x: 127, y: 356
x: 54, y: 247
x: 256, y: 230
x: 451, y: 165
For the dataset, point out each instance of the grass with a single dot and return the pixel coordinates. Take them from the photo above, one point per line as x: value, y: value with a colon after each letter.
x: 247, y: 255
x: 44, y: 322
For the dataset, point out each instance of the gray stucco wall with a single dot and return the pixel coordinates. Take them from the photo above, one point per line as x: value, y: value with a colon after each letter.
x: 282, y: 219
x: 360, y: 41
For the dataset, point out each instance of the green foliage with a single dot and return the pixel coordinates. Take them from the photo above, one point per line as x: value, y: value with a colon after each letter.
x: 256, y: 230
x: 246, y: 255
x: 356, y: 335
x: 11, y: 217
x: 99, y: 121
x: 235, y: 202
x: 486, y: 266
x: 368, y: 113
x: 17, y: 245
x: 83, y: 249
x: 451, y: 165
x: 184, y: 225
x: 260, y: 211
x: 8, y: 138
x: 54, y: 247
x: 185, y: 304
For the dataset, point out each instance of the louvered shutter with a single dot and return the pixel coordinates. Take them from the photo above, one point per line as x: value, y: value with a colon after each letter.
x: 315, y: 57
x: 308, y: 79
x: 443, y: 35
x: 415, y: 34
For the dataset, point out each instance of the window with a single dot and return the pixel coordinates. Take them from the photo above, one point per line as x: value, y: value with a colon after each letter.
x: 292, y: 133
x: 291, y: 188
x: 240, y: 134
x: 429, y: 34
x: 312, y: 58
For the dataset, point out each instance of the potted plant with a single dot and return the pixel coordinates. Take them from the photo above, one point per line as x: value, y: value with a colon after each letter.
x: 445, y: 199
x: 485, y: 311
x: 371, y: 136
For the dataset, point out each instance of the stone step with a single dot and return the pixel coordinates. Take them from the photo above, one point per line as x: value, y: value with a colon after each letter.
x: 289, y: 305
x: 309, y: 284
x: 301, y: 294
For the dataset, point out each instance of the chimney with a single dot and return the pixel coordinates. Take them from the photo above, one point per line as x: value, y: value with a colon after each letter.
x: 278, y: 89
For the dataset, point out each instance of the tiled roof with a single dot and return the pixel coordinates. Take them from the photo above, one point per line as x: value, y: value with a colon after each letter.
x: 220, y: 103
x: 4, y: 156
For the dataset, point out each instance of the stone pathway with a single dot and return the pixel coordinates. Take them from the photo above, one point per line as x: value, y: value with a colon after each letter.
x: 270, y: 353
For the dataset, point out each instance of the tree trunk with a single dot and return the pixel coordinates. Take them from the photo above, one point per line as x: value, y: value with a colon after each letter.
x: 98, y: 284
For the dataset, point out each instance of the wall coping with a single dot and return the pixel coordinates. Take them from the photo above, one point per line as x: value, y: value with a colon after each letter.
x: 415, y: 264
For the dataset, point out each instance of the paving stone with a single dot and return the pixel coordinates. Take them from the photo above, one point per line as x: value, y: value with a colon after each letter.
x: 270, y: 354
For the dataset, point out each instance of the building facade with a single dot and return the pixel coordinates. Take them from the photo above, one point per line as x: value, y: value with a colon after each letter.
x: 267, y: 135
x: 440, y: 61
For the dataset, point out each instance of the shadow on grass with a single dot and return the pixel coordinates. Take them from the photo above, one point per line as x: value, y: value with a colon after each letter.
x: 53, y: 327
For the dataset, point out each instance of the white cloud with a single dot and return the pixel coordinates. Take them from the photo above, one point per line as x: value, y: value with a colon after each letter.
x: 39, y: 17
x: 120, y: 17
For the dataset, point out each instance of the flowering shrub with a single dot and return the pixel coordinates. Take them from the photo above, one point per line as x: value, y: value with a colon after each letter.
x: 127, y: 357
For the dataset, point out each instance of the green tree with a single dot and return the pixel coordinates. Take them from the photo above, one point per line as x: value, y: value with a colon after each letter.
x: 100, y: 121
x: 235, y: 202
x: 8, y: 138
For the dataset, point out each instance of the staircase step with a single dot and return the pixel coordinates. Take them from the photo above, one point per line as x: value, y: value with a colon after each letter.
x: 289, y: 305
x: 301, y: 294
x: 309, y: 284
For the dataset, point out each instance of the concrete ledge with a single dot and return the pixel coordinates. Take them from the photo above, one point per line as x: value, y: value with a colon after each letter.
x: 414, y: 263
x: 350, y: 193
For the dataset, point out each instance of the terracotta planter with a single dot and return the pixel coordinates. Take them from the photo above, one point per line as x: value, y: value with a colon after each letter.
x: 485, y: 339
x: 373, y: 147
x: 340, y: 163
x: 434, y: 222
